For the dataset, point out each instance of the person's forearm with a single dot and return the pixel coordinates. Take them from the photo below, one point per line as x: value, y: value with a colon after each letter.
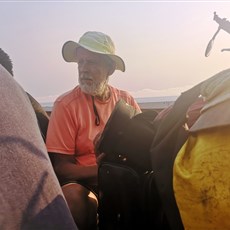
x: 77, y: 172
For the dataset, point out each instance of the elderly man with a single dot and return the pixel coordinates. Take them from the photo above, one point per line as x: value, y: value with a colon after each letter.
x: 78, y: 116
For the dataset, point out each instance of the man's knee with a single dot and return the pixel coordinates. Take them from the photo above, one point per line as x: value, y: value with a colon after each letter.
x: 74, y: 191
x: 83, y: 205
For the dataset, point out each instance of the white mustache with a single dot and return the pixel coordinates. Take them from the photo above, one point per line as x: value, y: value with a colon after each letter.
x: 85, y: 77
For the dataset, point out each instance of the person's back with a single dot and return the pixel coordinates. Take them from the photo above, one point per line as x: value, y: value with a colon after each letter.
x: 42, y: 116
x: 30, y: 195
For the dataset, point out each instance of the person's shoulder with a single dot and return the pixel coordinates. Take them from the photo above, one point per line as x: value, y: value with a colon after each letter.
x: 6, y: 77
x: 10, y: 86
x: 69, y: 97
x: 120, y: 92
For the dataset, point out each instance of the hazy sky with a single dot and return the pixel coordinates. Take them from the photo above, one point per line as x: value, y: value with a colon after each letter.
x: 162, y: 43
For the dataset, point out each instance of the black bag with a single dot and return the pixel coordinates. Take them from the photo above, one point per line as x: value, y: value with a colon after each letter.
x: 146, y: 207
x: 127, y: 137
x: 128, y: 200
x: 119, y: 192
x: 123, y: 173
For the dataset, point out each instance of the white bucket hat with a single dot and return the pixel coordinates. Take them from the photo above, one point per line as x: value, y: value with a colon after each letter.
x: 96, y: 42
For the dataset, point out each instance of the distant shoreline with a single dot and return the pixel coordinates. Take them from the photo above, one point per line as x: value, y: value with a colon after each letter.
x: 145, y: 103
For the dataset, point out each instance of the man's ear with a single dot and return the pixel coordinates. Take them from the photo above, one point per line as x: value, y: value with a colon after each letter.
x: 112, y: 68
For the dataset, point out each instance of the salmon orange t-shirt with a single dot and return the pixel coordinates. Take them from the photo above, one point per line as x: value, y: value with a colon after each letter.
x: 72, y: 127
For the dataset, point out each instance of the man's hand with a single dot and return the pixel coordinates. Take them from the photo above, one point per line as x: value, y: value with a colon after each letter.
x: 100, y: 157
x: 98, y: 154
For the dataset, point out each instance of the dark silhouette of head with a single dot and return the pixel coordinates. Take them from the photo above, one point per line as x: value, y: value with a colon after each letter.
x: 6, y: 62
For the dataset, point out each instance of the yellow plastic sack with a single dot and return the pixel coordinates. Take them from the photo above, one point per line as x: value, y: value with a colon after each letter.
x: 201, y: 180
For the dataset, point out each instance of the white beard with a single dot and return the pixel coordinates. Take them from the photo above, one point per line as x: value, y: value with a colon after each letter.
x: 95, y: 89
